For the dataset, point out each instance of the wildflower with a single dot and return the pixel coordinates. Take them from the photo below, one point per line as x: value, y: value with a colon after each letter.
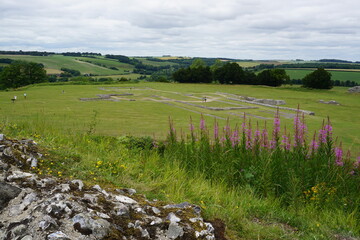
x: 234, y: 138
x: 227, y: 130
x: 314, y: 145
x: 257, y: 135
x: 248, y: 134
x: 286, y: 143
x: 357, y: 163
x: 202, y: 123
x: 264, y: 138
x: 276, y: 124
x: 191, y: 126
x: 216, y: 130
x: 338, y: 156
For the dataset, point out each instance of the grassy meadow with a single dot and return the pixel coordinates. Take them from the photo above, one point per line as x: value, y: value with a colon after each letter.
x: 85, y: 139
x: 148, y: 113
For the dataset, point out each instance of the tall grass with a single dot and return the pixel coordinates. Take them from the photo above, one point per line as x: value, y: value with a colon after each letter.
x: 204, y: 177
x: 297, y: 168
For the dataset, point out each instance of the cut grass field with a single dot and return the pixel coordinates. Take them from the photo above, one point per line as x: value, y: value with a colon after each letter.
x: 147, y: 113
x: 78, y: 134
x: 246, y: 64
x: 342, y: 75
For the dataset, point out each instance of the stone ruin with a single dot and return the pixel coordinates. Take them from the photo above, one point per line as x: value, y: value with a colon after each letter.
x: 34, y: 207
x: 331, y: 102
x: 355, y: 89
x: 266, y: 101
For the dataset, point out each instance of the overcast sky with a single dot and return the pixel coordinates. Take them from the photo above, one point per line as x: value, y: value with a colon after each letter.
x: 244, y: 29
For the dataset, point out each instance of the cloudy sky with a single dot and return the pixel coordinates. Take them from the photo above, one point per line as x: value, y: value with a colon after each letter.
x: 244, y: 29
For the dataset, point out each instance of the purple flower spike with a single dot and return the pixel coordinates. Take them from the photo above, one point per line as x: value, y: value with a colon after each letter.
x: 338, y: 156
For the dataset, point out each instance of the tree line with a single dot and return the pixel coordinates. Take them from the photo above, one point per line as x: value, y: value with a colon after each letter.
x: 233, y: 73
x: 228, y: 73
x: 22, y: 73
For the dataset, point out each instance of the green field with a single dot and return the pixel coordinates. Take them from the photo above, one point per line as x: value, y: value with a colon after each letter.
x: 153, y: 103
x: 56, y: 62
x: 155, y: 63
x: 336, y: 75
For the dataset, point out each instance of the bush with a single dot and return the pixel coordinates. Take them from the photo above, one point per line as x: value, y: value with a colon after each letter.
x: 132, y: 142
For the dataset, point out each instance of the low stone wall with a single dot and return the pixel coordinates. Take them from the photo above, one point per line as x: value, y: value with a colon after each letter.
x: 216, y: 108
x: 33, y: 207
x: 272, y: 106
x: 105, y: 97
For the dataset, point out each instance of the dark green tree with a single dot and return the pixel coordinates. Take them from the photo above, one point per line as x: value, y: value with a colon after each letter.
x: 272, y: 77
x: 22, y: 73
x: 320, y: 79
x: 230, y: 73
x: 183, y: 75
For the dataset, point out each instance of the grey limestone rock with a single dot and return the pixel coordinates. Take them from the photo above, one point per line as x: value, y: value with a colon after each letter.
x: 38, y: 208
x: 58, y: 236
x: 7, y: 193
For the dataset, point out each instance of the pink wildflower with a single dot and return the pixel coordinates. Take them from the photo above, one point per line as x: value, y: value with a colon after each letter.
x: 285, y: 142
x: 248, y: 135
x: 234, y: 138
x: 202, y: 123
x: 357, y: 163
x: 216, y: 130
x: 338, y: 156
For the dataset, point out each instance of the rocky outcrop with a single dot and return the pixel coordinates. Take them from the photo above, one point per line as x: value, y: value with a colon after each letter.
x: 34, y: 207
x: 355, y: 89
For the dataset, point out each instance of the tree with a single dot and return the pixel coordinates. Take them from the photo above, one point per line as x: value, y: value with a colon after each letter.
x: 320, y: 79
x: 197, y: 63
x: 22, y: 73
x: 218, y: 64
x: 230, y: 73
x: 183, y: 75
x: 272, y: 77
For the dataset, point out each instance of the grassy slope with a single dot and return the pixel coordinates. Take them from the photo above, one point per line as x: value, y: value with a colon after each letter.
x: 154, y: 63
x: 56, y: 62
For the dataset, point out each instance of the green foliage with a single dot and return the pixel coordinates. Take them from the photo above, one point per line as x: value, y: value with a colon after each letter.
x: 198, y: 63
x: 273, y: 77
x: 197, y: 74
x: 21, y: 73
x: 69, y: 72
x: 140, y: 143
x: 320, y: 79
x: 230, y: 73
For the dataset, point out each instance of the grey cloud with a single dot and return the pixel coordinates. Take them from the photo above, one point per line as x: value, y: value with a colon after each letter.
x: 228, y: 28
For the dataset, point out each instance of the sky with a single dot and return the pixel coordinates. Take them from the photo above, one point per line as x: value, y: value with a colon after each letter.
x: 241, y: 29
